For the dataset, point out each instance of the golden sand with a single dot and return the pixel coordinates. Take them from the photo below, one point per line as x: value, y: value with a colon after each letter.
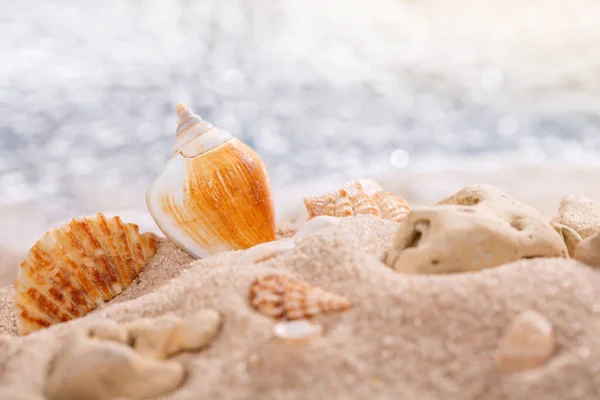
x: 406, y: 336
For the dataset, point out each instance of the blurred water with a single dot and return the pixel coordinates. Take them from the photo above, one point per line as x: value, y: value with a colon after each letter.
x: 88, y: 89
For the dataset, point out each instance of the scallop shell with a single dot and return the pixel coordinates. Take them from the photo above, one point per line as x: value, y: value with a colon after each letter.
x: 76, y: 267
x: 280, y: 297
x: 358, y: 197
x: 213, y: 194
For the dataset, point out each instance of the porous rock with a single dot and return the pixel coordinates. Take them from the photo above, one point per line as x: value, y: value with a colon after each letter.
x: 588, y: 251
x: 94, y: 369
x: 478, y: 227
x: 108, y: 329
x: 578, y: 218
x: 167, y: 335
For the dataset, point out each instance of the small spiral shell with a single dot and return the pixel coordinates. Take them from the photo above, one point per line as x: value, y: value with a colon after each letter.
x: 278, y: 296
x: 358, y: 197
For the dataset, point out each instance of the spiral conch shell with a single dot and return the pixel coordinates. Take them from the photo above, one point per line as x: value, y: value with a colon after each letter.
x: 358, y: 197
x: 76, y: 267
x: 278, y: 296
x: 213, y: 194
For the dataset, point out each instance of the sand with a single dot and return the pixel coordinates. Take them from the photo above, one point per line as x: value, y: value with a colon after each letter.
x: 408, y: 337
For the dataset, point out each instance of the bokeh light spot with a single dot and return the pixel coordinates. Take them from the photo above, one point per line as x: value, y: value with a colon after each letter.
x: 399, y: 158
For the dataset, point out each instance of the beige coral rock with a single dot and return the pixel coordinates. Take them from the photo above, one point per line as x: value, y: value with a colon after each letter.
x: 478, y: 227
x: 195, y: 332
x: 534, y: 233
x: 150, y: 336
x: 94, y: 369
x: 527, y: 343
x: 108, y: 329
x: 588, y: 251
x: 578, y: 218
x: 167, y: 335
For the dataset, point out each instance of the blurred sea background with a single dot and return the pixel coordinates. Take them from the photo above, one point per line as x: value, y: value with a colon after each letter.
x: 324, y: 91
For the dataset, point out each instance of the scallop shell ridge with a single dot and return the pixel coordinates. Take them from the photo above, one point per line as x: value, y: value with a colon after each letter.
x: 76, y: 267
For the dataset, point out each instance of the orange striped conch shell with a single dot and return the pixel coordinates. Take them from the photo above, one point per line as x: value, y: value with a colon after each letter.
x: 213, y: 194
x: 358, y: 197
x: 76, y: 267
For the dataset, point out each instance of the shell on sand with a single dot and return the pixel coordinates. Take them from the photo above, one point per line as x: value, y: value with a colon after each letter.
x: 213, y: 195
x: 280, y: 297
x: 527, y: 343
x: 76, y: 267
x: 358, y: 197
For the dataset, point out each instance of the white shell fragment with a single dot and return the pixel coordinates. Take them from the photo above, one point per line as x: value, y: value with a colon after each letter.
x: 527, y: 343
x: 316, y: 223
x: 298, y: 330
x: 265, y: 251
x: 358, y: 197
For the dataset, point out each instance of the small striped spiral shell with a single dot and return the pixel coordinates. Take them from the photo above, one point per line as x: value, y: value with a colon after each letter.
x: 281, y: 297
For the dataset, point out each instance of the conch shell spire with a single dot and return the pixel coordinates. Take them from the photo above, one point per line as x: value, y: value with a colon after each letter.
x: 189, y: 126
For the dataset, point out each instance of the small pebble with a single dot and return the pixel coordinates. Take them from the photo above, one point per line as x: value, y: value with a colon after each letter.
x: 583, y: 352
x: 298, y: 330
x: 107, y: 329
x: 527, y: 343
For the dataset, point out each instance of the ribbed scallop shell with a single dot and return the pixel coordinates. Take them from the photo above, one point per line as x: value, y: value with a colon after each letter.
x: 280, y: 297
x: 76, y: 267
x: 358, y: 197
